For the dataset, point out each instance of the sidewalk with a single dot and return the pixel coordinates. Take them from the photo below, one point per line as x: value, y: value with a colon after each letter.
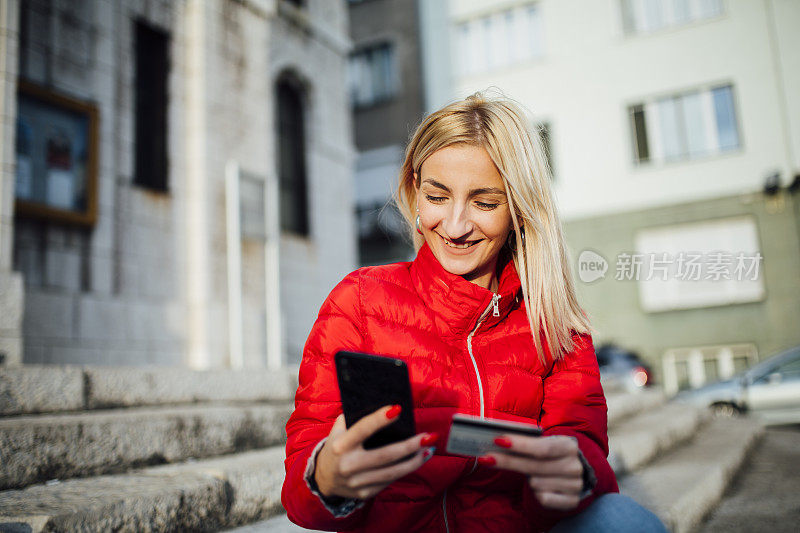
x: 765, y: 495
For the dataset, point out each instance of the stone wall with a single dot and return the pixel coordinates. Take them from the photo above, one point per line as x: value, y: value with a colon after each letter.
x: 148, y: 284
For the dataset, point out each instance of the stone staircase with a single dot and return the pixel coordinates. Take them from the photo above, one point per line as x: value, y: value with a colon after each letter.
x: 98, y: 449
x: 675, y: 459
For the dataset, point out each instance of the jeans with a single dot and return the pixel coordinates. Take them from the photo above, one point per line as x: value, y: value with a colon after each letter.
x: 612, y: 513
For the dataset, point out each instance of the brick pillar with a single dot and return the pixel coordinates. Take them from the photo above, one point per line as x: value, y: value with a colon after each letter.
x: 11, y: 287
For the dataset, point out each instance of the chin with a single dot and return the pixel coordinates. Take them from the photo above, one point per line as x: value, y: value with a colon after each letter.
x: 460, y: 266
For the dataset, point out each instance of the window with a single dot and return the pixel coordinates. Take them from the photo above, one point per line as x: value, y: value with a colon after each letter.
x: 646, y: 16
x: 372, y: 75
x: 700, y: 264
x: 152, y: 100
x: 500, y: 39
x: 790, y: 370
x: 689, y: 125
x: 693, y: 366
x: 292, y: 157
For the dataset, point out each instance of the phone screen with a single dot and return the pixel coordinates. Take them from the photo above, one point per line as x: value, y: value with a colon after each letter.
x: 369, y: 382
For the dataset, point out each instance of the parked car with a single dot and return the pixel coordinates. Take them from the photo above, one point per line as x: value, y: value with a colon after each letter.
x: 769, y: 390
x: 622, y: 369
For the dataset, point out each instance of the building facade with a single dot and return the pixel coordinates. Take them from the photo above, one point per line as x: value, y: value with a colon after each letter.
x: 128, y: 264
x: 386, y: 94
x: 674, y: 129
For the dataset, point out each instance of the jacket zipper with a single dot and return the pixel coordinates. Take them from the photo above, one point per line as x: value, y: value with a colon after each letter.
x: 496, y: 307
x: 444, y: 510
x: 493, y: 306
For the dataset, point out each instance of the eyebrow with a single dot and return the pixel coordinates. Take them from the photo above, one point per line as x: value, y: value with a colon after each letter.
x: 473, y: 192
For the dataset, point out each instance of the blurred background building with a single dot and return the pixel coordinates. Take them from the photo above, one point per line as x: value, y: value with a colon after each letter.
x: 671, y: 125
x: 119, y: 122
x: 386, y: 94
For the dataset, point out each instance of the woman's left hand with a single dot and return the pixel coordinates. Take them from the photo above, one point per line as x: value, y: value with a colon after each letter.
x: 555, y: 473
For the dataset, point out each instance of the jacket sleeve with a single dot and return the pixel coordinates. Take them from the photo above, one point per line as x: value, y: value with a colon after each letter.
x: 574, y: 405
x: 317, y: 404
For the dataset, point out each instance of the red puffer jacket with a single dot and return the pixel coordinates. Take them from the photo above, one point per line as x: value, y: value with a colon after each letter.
x: 467, y: 351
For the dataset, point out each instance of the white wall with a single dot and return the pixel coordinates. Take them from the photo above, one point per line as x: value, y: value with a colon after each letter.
x: 591, y: 71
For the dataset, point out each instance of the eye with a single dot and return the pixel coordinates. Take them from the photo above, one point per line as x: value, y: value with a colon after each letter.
x: 435, y: 199
x: 486, y: 205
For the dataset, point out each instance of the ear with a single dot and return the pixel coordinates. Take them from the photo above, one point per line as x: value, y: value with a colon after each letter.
x: 416, y: 181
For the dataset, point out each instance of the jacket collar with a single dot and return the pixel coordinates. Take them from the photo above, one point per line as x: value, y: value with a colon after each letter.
x: 458, y: 302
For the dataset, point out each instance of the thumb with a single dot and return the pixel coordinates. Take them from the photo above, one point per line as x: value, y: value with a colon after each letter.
x: 339, y: 426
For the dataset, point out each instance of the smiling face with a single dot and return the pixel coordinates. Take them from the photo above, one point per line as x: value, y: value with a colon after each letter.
x: 463, y: 210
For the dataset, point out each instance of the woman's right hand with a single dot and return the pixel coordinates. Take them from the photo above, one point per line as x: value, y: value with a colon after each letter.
x: 344, y: 468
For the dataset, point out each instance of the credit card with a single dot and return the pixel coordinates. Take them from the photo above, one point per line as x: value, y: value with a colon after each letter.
x: 474, y: 436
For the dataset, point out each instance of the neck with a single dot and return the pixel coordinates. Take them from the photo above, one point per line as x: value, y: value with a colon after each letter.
x: 487, y: 280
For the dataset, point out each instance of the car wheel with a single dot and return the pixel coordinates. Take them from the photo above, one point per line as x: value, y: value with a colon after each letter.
x: 725, y: 410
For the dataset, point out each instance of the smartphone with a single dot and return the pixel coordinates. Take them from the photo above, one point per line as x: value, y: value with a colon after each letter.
x: 474, y: 436
x: 369, y: 382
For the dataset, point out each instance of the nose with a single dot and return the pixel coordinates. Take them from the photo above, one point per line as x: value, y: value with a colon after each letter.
x: 457, y: 223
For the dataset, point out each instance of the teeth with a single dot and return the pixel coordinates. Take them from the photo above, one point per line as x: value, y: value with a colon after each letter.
x: 459, y: 246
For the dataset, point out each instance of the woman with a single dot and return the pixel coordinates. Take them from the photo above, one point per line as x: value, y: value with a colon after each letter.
x: 491, y: 269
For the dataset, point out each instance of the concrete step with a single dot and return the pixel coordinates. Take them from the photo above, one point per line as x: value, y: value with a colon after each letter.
x: 43, y: 447
x: 685, y: 484
x: 637, y: 440
x: 622, y: 405
x: 49, y: 389
x: 194, y: 496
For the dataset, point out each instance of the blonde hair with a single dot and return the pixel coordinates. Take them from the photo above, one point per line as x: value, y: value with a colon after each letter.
x: 499, y: 125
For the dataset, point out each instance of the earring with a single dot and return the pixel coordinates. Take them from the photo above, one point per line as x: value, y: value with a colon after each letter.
x: 418, y: 228
x: 512, y: 239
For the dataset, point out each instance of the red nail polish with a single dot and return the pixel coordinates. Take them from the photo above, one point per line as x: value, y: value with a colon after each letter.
x: 429, y: 439
x: 393, y: 411
x: 487, y: 460
x: 503, y: 442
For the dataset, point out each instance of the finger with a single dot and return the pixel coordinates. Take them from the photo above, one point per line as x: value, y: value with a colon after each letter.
x: 554, y: 500
x: 339, y: 426
x: 569, y: 485
x: 390, y: 473
x: 543, y: 447
x: 565, y: 467
x: 365, y: 493
x: 360, y: 459
x: 361, y: 430
x: 362, y: 493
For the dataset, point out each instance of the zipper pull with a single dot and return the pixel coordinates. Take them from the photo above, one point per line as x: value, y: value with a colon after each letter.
x: 495, y: 304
